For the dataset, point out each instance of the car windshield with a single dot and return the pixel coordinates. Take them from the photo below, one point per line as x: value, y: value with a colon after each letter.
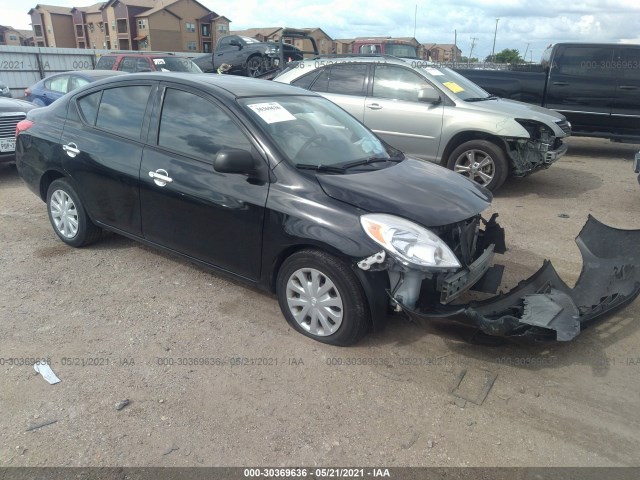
x: 455, y: 83
x: 250, y: 40
x: 176, y: 64
x: 312, y: 132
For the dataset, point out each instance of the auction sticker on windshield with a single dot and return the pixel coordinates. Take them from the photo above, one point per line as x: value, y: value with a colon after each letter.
x: 272, y: 112
x: 434, y: 71
x: 454, y: 87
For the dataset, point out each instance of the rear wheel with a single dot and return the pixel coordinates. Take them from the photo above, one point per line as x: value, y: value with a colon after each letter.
x: 481, y: 161
x: 68, y: 216
x: 322, y: 298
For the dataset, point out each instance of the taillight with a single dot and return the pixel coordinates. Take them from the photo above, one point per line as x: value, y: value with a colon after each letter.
x: 23, y: 126
x: 27, y: 92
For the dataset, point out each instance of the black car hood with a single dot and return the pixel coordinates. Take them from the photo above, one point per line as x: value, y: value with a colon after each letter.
x: 414, y: 189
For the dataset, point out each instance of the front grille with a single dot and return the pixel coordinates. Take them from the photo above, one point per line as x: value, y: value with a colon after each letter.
x: 564, y: 125
x: 8, y: 122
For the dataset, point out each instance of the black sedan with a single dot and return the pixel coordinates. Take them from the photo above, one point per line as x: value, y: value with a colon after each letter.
x: 284, y: 190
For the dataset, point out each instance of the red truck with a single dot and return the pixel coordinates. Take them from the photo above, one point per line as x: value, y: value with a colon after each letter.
x: 385, y: 45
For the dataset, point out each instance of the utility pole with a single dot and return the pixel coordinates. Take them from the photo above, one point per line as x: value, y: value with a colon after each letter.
x: 493, y: 50
x: 473, y: 44
x: 524, y: 57
x: 455, y: 47
x: 415, y: 21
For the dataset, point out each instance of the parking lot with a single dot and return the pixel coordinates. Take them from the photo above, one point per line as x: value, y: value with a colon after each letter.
x: 215, y: 376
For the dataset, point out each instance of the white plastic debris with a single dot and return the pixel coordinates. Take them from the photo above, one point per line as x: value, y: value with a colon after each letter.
x: 46, y: 372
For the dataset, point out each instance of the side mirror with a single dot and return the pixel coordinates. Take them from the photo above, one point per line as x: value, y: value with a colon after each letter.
x: 236, y: 43
x: 234, y: 161
x: 429, y: 95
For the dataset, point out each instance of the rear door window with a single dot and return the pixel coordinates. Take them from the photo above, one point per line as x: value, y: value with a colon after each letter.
x: 77, y: 82
x: 121, y: 110
x: 58, y: 84
x: 344, y: 79
x: 88, y: 106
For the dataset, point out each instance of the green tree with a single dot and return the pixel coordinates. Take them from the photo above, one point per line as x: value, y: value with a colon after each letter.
x: 464, y: 59
x: 508, y: 55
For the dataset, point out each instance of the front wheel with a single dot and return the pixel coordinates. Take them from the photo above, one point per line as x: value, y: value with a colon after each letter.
x: 481, y: 161
x: 321, y: 298
x: 68, y: 216
x: 255, y: 66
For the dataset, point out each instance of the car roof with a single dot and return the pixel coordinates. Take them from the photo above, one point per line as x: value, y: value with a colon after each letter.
x: 97, y: 74
x: 329, y: 59
x: 141, y: 54
x: 94, y: 74
x: 234, y: 86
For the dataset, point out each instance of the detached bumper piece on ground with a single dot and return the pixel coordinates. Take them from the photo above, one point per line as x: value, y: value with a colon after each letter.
x: 544, y: 307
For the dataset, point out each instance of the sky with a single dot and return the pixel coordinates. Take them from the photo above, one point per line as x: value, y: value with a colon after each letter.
x: 526, y: 25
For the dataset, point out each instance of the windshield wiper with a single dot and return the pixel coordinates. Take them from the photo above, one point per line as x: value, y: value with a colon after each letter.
x: 367, y: 161
x: 481, y: 99
x: 320, y: 168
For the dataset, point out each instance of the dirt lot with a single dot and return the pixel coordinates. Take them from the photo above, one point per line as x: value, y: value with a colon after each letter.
x: 113, y: 317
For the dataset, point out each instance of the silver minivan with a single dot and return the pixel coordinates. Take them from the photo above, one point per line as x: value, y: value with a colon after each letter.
x: 436, y: 114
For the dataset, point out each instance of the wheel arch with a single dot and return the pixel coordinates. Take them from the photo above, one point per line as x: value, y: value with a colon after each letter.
x: 46, y: 180
x: 462, y: 137
x: 374, y: 284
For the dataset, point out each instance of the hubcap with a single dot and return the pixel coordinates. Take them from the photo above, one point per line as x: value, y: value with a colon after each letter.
x: 64, y: 214
x: 314, y: 302
x: 477, y: 165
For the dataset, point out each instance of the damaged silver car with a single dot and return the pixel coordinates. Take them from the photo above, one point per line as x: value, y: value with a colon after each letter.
x: 436, y: 114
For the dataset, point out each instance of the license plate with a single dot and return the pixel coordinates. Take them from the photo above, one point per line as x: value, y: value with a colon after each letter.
x: 7, y: 144
x: 636, y: 164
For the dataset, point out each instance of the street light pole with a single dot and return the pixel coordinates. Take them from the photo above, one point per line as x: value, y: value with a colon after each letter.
x: 493, y: 50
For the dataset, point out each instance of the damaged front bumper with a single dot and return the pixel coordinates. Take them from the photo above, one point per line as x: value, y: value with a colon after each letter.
x: 543, y: 306
x: 539, y: 151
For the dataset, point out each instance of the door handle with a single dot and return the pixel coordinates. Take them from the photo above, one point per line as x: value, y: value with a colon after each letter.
x: 374, y: 106
x: 561, y: 84
x: 161, y: 177
x: 627, y: 87
x: 71, y: 149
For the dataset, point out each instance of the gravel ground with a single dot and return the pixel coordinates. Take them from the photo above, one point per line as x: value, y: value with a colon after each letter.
x: 122, y: 321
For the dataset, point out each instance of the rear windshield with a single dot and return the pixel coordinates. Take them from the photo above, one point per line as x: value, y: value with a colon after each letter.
x: 175, y: 64
x: 106, y: 63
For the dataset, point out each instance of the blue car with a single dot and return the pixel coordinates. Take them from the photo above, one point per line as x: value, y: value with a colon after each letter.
x: 48, y: 90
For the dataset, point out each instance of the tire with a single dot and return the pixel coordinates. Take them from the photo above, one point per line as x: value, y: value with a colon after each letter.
x: 481, y: 161
x: 344, y: 316
x: 67, y: 215
x: 255, y: 66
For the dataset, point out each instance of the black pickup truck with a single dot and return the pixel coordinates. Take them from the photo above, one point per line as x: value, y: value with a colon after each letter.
x: 247, y: 56
x: 596, y: 86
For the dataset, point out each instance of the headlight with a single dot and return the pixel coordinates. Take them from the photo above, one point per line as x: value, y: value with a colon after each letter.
x: 408, y: 242
x: 271, y: 51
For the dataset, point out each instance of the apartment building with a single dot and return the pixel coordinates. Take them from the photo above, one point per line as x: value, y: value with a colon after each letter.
x: 442, y: 52
x: 180, y: 25
x: 15, y: 36
x: 343, y: 46
x: 323, y: 41
x: 175, y: 25
x: 52, y: 26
